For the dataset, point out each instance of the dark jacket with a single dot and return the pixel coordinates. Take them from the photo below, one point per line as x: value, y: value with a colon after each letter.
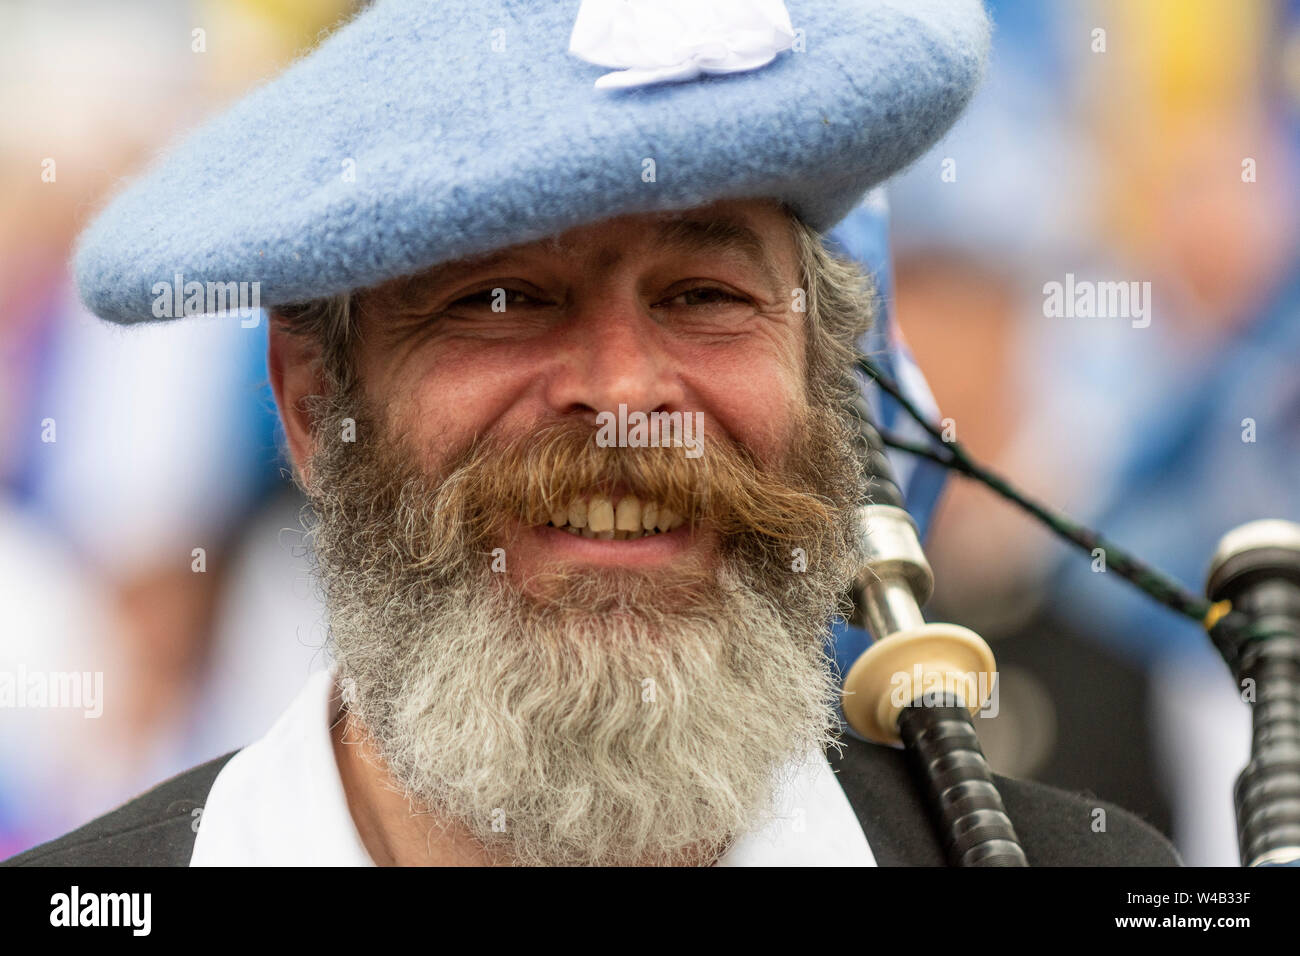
x: 1056, y: 828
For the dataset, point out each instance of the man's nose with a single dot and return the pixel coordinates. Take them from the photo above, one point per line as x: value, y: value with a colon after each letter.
x: 613, y: 352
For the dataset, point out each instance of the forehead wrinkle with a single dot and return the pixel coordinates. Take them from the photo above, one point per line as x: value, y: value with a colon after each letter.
x: 415, y: 287
x: 717, y: 234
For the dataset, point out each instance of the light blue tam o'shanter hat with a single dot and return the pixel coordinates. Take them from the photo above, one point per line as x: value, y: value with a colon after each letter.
x: 429, y: 130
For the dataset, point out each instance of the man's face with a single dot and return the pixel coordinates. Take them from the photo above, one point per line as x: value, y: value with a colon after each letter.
x: 689, y: 313
x: 616, y: 697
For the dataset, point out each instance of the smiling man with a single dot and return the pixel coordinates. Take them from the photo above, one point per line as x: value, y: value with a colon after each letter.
x: 575, y: 653
x: 550, y: 649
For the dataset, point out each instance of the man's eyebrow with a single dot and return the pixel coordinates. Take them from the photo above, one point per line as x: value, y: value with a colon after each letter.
x: 415, y: 290
x: 718, y: 234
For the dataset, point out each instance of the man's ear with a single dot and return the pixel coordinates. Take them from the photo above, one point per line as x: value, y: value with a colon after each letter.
x: 293, y: 362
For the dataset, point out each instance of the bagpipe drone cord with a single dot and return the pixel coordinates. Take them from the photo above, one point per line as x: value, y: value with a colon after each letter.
x: 1251, y: 613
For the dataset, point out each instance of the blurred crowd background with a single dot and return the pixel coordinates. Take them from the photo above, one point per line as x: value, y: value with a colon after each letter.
x: 1116, y: 140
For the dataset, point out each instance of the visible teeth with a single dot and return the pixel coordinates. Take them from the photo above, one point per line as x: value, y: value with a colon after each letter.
x: 628, y: 517
x: 668, y: 519
x: 632, y: 519
x: 600, y: 514
x: 578, y: 513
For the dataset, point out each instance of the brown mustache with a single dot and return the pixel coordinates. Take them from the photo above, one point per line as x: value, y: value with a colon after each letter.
x: 397, y: 512
x: 530, y: 477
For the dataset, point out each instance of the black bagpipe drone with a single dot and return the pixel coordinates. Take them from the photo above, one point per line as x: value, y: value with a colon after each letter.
x: 920, y: 683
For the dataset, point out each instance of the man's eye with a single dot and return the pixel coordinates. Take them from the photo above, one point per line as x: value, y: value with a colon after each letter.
x: 498, y: 299
x: 703, y: 295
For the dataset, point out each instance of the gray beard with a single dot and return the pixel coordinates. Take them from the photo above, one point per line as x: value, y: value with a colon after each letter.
x: 641, y: 719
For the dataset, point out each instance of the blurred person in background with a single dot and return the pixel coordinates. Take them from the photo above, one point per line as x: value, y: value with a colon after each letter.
x: 1113, y: 158
x: 1217, y: 441
x: 119, y: 457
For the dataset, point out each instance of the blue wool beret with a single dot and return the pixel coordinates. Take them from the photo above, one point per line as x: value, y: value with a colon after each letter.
x: 429, y: 130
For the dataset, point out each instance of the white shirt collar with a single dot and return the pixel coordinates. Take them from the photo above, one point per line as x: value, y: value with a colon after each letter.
x: 280, y: 802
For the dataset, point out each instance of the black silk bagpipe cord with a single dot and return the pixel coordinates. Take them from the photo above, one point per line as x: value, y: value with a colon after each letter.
x: 1229, y: 630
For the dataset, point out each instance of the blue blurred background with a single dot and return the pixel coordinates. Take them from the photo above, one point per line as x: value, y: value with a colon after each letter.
x: 1118, y: 140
